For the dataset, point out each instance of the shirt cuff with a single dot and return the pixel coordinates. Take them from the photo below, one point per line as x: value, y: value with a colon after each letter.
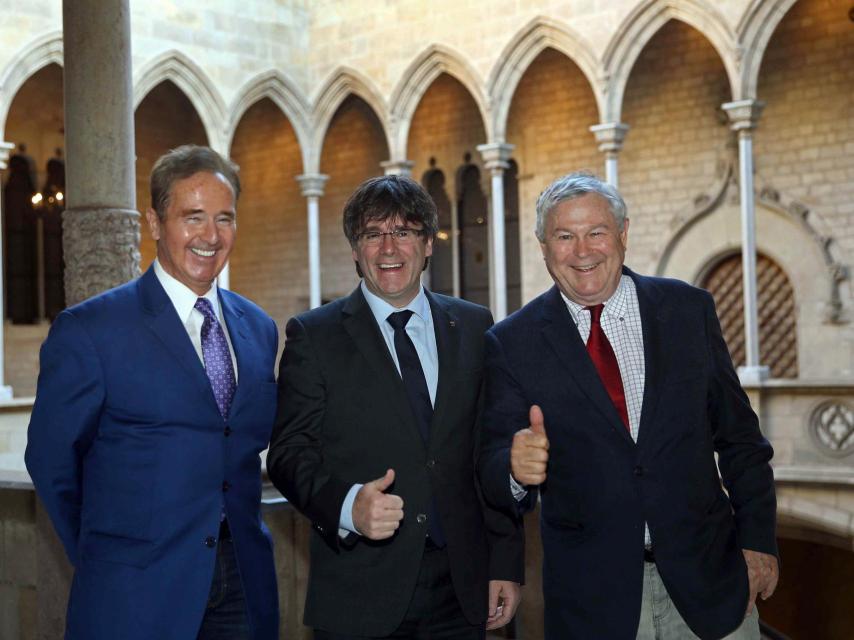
x: 345, y: 522
x: 519, y: 492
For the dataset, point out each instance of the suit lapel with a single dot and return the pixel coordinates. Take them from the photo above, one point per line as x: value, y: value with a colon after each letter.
x: 560, y: 331
x: 361, y: 325
x: 245, y: 349
x: 654, y: 313
x: 161, y: 318
x: 448, y: 348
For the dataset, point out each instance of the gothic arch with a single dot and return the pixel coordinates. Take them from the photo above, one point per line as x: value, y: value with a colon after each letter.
x: 539, y: 34
x: 641, y: 25
x: 279, y: 89
x: 39, y: 53
x: 819, y: 516
x: 754, y: 30
x: 192, y: 81
x: 344, y: 82
x: 434, y: 61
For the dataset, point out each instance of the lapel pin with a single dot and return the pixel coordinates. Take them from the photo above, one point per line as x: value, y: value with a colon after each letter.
x: 453, y: 323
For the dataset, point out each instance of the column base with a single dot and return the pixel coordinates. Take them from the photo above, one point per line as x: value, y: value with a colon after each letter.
x: 5, y: 393
x: 753, y: 376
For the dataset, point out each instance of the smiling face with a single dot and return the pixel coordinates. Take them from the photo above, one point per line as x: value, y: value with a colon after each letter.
x: 392, y: 270
x: 584, y: 249
x: 197, y: 233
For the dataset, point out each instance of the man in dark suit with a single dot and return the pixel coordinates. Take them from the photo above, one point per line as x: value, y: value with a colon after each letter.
x: 154, y: 401
x: 375, y: 442
x: 609, y: 395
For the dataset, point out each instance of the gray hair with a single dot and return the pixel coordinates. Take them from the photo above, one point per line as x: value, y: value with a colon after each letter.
x: 575, y: 185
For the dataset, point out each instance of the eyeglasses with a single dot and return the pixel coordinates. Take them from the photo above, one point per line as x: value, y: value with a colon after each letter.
x: 399, y: 236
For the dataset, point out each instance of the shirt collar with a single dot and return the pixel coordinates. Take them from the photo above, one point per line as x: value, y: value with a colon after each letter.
x: 381, y: 309
x: 616, y: 306
x: 182, y: 297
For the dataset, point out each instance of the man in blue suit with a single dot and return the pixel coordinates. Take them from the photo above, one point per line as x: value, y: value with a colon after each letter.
x: 154, y: 401
x: 609, y: 395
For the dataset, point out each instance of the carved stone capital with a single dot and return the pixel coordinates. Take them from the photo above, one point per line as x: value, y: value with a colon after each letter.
x: 5, y: 149
x: 743, y: 114
x: 101, y: 250
x: 496, y: 155
x: 610, y: 136
x: 397, y: 167
x: 312, y: 184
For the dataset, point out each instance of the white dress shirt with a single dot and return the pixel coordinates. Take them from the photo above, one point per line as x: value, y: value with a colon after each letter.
x: 184, y: 300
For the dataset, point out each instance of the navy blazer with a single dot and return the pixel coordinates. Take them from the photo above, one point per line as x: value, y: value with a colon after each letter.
x: 130, y: 455
x: 601, y: 486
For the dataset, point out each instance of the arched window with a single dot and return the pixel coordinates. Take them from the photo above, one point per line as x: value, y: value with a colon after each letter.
x: 778, y: 347
x: 442, y: 261
x: 473, y: 214
x: 511, y: 237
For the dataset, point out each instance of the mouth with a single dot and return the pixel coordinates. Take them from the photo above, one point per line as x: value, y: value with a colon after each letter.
x: 203, y: 253
x: 390, y: 266
x: 586, y: 269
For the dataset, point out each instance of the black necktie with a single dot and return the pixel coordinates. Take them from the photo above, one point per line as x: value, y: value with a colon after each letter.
x: 419, y: 399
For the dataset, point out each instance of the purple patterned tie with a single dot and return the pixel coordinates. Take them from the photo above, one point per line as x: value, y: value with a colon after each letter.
x: 217, y: 357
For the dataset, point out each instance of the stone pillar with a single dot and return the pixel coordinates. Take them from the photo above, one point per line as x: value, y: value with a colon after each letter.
x: 495, y: 158
x: 397, y: 167
x: 610, y: 137
x: 5, y: 391
x: 312, y: 188
x: 743, y: 115
x: 101, y: 224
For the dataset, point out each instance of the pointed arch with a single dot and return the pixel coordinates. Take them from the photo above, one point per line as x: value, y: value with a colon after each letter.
x: 757, y: 25
x: 429, y: 65
x: 342, y: 83
x: 641, y: 25
x: 39, y: 53
x: 282, y: 92
x: 539, y: 34
x: 193, y: 82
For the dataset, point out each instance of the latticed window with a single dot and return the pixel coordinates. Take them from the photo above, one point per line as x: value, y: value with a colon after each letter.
x: 777, y: 327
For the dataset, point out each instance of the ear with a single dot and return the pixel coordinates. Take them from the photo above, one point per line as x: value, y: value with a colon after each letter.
x: 624, y: 234
x: 153, y: 223
x: 428, y: 247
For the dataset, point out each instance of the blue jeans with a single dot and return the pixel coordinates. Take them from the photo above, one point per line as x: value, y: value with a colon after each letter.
x: 225, y: 614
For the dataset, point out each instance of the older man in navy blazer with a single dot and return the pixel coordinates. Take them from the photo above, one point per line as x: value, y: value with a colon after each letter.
x: 609, y: 395
x: 154, y: 401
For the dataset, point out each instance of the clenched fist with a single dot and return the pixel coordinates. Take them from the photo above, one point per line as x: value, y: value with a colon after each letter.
x: 529, y: 455
x: 377, y: 514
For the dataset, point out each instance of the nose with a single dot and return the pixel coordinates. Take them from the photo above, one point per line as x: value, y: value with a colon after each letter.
x: 579, y: 247
x: 387, y: 245
x: 210, y: 232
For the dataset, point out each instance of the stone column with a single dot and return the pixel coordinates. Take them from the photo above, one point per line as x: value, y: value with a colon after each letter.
x: 5, y: 391
x: 610, y: 137
x: 743, y: 115
x: 397, y: 167
x: 495, y: 158
x: 312, y: 188
x: 101, y: 224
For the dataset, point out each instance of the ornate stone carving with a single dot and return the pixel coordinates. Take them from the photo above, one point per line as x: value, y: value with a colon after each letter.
x: 101, y: 250
x: 831, y: 426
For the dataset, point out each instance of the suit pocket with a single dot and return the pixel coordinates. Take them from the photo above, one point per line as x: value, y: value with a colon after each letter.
x: 105, y: 547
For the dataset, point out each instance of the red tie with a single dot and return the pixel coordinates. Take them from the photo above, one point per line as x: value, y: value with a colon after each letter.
x: 606, y: 363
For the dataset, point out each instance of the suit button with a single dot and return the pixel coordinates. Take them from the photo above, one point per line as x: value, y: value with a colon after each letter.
x: 226, y: 486
x: 210, y: 542
x: 421, y: 518
x: 431, y: 464
x: 638, y: 470
x: 227, y: 431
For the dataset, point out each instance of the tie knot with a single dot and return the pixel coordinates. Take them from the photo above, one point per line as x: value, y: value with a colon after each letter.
x: 399, y: 319
x: 595, y: 313
x: 204, y: 306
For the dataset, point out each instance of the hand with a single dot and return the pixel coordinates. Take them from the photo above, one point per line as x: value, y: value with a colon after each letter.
x: 377, y: 515
x: 763, y: 571
x: 529, y: 454
x: 504, y: 597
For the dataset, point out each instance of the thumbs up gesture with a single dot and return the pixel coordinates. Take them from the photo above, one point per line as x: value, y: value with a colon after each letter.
x: 377, y: 514
x: 529, y: 454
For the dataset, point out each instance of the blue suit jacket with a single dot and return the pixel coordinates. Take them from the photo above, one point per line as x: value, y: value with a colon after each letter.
x: 129, y: 453
x: 602, y: 487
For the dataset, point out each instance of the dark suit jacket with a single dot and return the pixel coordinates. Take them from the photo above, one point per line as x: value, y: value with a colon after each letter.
x: 344, y: 418
x: 602, y: 487
x: 129, y: 454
